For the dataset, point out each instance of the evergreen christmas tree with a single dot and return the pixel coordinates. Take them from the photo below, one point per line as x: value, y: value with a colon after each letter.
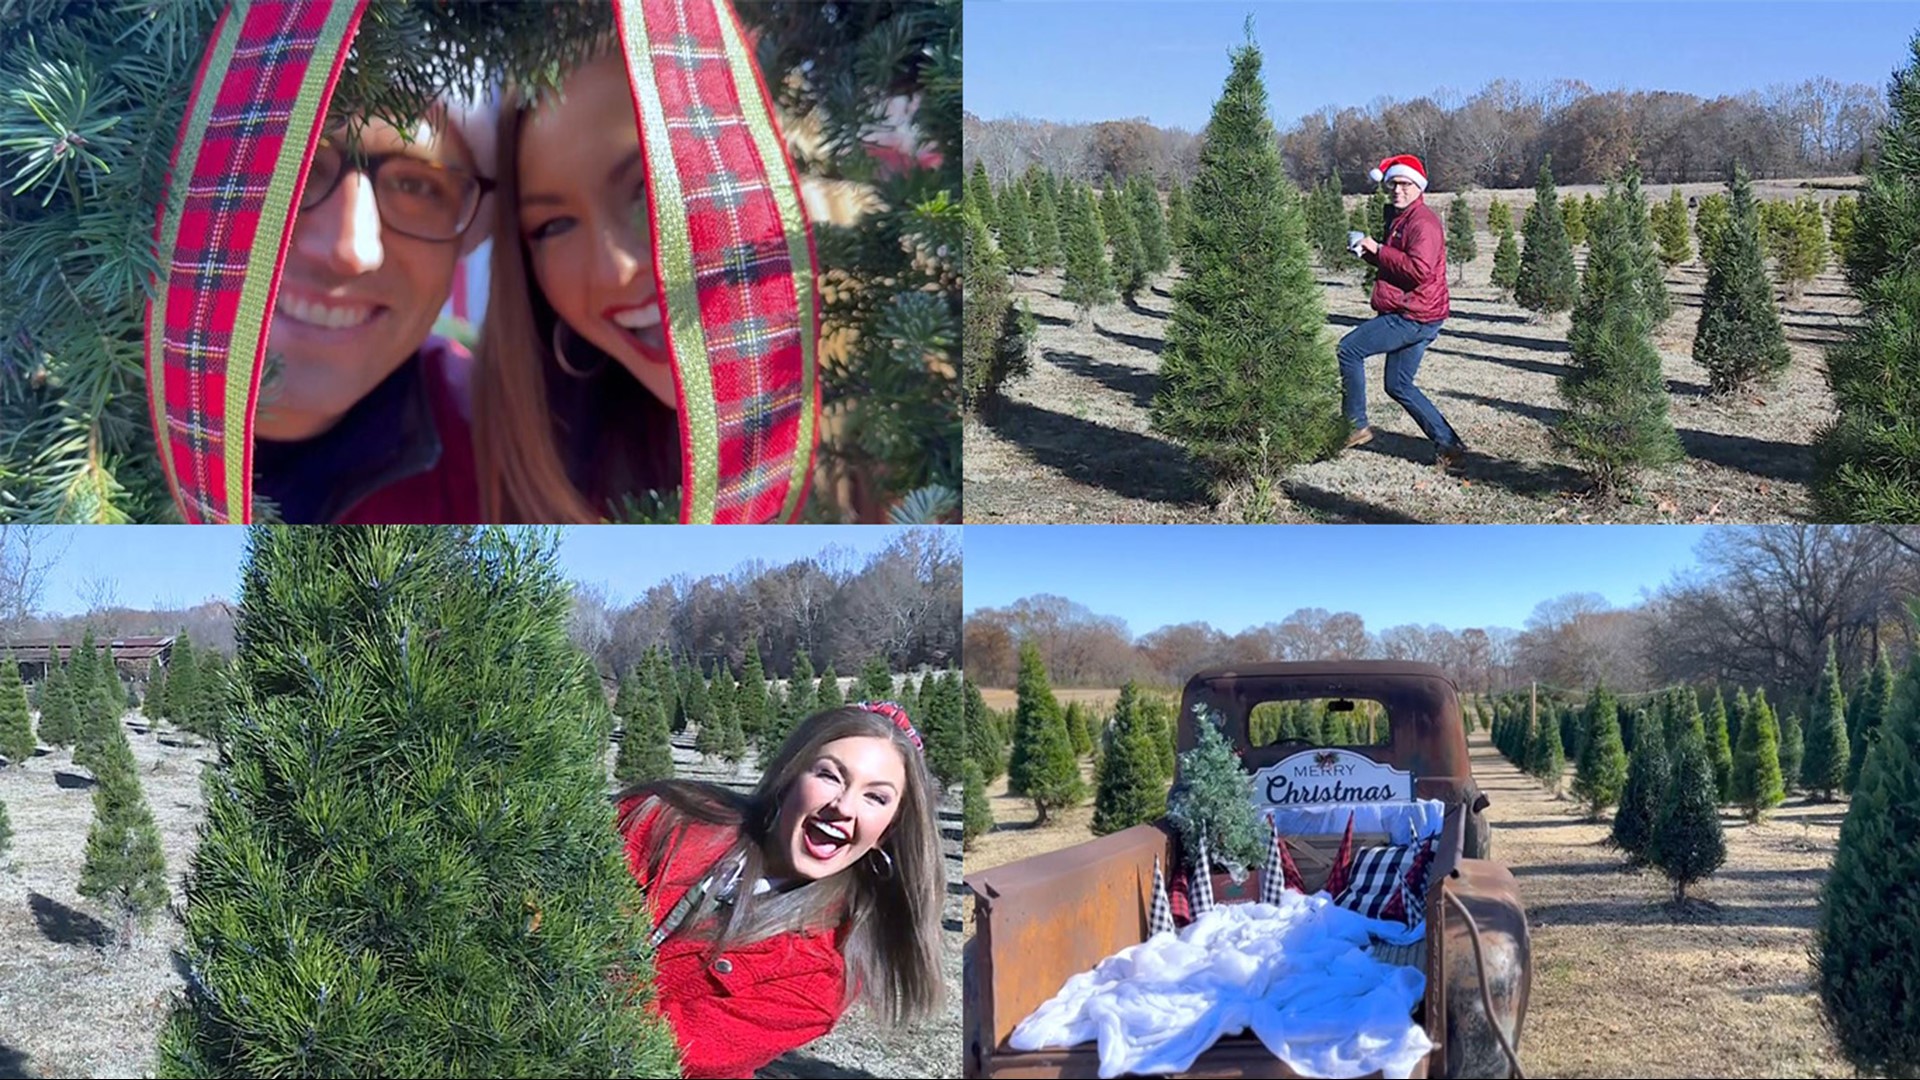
x: 626, y: 701
x: 1711, y: 220
x: 1150, y: 224
x: 16, y: 723
x: 1792, y: 750
x: 1248, y: 380
x: 1756, y: 762
x: 1823, y: 769
x: 800, y: 703
x: 1211, y: 797
x: 57, y: 723
x: 155, y: 705
x: 999, y: 336
x: 976, y: 812
x: 1053, y: 779
x: 408, y: 845
x: 1177, y: 221
x: 980, y: 195
x: 1842, y: 219
x: 1547, y: 281
x: 1035, y: 709
x: 1461, y: 247
x: 1079, y: 729
x: 1670, y: 230
x: 876, y: 680
x: 1874, y: 702
x: 124, y: 868
x: 1506, y: 263
x: 1688, y: 842
x: 1799, y: 244
x: 6, y: 830
x: 1573, y: 214
x: 1131, y: 790
x: 1616, y: 419
x: 1646, y: 253
x: 1739, y: 340
x: 1720, y: 747
x: 983, y: 738
x: 1499, y: 216
x: 646, y: 746
x: 1016, y: 230
x: 732, y: 739
x: 942, y: 725
x: 1327, y: 224
x: 1546, y: 756
x: 1645, y: 790
x: 1869, y: 458
x: 754, y: 709
x: 1602, y: 771
x: 1046, y: 222
x: 183, y: 686
x: 830, y: 695
x: 1373, y: 222
x: 1866, y: 946
x: 1129, y: 258
x: 704, y: 711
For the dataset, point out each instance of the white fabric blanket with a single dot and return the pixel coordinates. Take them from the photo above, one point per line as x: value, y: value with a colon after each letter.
x: 1295, y: 974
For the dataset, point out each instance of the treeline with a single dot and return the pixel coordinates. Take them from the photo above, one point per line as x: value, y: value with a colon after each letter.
x: 1497, y: 138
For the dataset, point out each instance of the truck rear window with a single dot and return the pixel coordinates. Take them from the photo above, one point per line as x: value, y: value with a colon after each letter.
x: 1312, y: 722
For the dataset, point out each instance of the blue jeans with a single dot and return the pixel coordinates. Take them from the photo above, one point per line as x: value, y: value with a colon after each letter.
x: 1405, y: 342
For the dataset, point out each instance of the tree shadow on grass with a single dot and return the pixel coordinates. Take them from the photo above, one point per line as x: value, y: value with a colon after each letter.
x: 1336, y: 507
x: 1135, y: 466
x: 1138, y: 341
x: 1044, y: 319
x: 1511, y: 341
x: 1488, y: 316
x: 1137, y: 384
x: 1518, y: 363
x: 63, y: 925
x: 13, y: 1064
x: 1134, y: 305
x: 1787, y: 462
x: 71, y: 781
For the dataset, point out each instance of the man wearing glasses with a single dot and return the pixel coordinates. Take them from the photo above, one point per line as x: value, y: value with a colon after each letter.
x: 1410, y: 294
x: 362, y: 416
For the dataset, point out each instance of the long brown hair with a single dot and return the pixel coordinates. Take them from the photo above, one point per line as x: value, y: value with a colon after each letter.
x: 619, y: 438
x: 891, y: 921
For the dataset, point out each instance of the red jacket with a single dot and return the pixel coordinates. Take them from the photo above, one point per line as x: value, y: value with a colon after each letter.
x: 1413, y: 267
x: 736, y: 1014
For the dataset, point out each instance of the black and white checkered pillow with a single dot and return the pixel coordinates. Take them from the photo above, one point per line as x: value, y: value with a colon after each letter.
x: 1378, y: 874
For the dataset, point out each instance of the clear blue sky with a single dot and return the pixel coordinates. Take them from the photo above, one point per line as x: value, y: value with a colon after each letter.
x: 1459, y: 576
x: 180, y: 565
x: 1088, y: 60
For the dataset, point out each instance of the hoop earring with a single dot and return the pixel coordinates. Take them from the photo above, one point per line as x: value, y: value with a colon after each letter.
x: 560, y: 355
x: 882, y: 852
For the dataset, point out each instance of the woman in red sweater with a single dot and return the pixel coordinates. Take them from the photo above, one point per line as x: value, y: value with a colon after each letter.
x: 774, y: 911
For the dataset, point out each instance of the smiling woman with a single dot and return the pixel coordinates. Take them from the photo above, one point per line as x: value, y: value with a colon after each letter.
x: 774, y: 911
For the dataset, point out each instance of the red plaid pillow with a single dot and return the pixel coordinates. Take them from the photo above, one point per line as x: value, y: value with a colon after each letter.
x: 1338, y: 877
x: 1384, y: 878
x: 1289, y: 872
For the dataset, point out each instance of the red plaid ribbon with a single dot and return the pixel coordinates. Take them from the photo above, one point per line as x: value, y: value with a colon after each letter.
x: 894, y: 712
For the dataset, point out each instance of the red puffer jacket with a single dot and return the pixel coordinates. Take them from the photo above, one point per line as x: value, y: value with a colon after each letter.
x: 1413, y: 267
x: 737, y: 1013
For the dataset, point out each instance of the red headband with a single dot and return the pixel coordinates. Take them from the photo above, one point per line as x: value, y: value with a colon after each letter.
x: 898, y: 715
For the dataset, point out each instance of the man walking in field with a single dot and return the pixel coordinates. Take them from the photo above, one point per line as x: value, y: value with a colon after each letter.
x: 1410, y: 294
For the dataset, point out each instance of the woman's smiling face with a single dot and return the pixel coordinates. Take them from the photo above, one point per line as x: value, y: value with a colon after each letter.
x: 583, y: 217
x: 839, y: 809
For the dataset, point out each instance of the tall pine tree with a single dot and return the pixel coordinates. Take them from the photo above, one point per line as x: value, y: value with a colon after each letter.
x: 124, y: 868
x: 1645, y: 790
x: 1506, y: 262
x: 1720, y: 747
x: 1739, y: 340
x: 1869, y: 458
x: 1756, y: 762
x: 1461, y: 246
x: 1131, y: 790
x: 1602, y: 771
x: 1866, y: 947
x: 1874, y: 702
x: 1688, y: 842
x: 1670, y: 230
x: 1088, y: 282
x: 1823, y: 768
x: 1248, y: 379
x: 1150, y: 223
x: 1016, y: 231
x: 1616, y: 419
x: 1547, y: 281
x: 16, y: 724
x: 1045, y: 219
x: 408, y: 845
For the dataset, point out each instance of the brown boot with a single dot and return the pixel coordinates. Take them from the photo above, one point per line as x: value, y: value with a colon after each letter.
x: 1360, y: 437
x: 1451, y: 459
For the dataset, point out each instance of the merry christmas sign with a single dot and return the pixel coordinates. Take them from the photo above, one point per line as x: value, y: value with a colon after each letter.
x: 1330, y: 776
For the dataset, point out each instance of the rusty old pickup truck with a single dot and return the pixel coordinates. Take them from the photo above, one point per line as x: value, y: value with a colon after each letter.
x: 1041, y: 920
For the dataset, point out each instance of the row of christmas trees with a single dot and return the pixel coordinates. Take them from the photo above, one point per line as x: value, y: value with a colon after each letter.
x: 1248, y: 384
x: 659, y: 698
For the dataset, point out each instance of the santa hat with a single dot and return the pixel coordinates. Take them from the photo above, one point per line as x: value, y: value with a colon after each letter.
x: 1403, y: 165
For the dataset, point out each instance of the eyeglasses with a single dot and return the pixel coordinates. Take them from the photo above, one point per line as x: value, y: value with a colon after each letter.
x: 415, y: 197
x: 1402, y: 184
